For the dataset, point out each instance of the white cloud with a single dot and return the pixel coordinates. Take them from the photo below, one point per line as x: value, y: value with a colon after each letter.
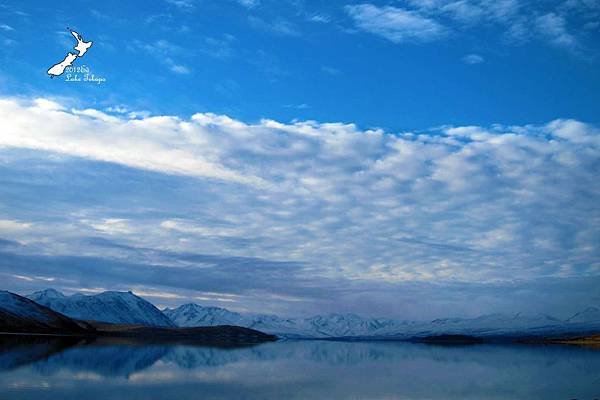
x: 320, y: 18
x: 183, y: 4
x: 188, y: 227
x: 153, y: 143
x: 519, y: 21
x: 470, y: 203
x: 249, y: 3
x: 473, y: 59
x: 111, y: 226
x: 554, y: 27
x: 395, y: 24
x: 165, y: 52
x: 7, y: 225
x: 180, y: 69
x: 470, y: 11
x: 277, y: 26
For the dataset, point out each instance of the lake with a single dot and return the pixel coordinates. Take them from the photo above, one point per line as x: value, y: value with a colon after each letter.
x: 49, y: 368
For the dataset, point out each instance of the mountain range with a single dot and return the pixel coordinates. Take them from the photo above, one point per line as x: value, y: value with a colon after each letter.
x: 354, y: 326
x: 127, y: 308
x: 113, y: 307
x: 24, y: 316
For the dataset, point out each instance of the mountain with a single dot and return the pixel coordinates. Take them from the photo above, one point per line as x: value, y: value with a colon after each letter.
x: 127, y: 308
x: 20, y: 314
x: 333, y: 325
x: 189, y: 315
x: 132, y: 319
x: 351, y: 325
x: 489, y: 325
x: 50, y: 298
x: 114, y: 307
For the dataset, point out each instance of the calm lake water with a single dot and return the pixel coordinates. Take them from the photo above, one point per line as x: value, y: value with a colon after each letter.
x: 59, y: 369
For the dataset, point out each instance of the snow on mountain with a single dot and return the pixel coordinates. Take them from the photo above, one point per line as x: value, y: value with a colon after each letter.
x: 48, y: 294
x: 490, y: 324
x: 281, y: 326
x: 23, y: 308
x: 125, y: 307
x: 50, y: 298
x: 115, y: 307
x: 333, y: 325
x: 20, y: 314
x: 189, y: 315
x: 351, y: 325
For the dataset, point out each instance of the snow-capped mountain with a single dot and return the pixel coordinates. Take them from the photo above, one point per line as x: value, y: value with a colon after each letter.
x: 189, y: 315
x: 487, y: 325
x: 351, y: 325
x: 19, y: 314
x: 333, y: 325
x: 115, y: 307
x: 125, y: 307
x: 48, y: 298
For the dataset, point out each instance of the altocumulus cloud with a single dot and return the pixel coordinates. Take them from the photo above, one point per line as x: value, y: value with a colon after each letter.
x: 518, y: 21
x: 356, y: 211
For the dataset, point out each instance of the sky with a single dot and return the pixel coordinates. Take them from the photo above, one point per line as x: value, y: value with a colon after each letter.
x: 405, y: 159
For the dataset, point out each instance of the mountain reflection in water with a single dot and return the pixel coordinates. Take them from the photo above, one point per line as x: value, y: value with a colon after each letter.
x: 46, y: 367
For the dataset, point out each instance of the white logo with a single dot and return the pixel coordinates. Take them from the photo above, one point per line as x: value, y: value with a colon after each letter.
x: 75, y: 74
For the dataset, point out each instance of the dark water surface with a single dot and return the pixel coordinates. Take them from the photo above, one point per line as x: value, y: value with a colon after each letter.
x: 47, y: 368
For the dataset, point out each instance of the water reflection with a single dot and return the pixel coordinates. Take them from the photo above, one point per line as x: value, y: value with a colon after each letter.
x: 66, y: 368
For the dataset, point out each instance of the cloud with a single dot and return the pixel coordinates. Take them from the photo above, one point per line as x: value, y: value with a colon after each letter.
x: 473, y: 59
x: 330, y: 70
x: 249, y: 284
x: 320, y: 18
x: 111, y: 226
x: 179, y: 69
x: 554, y: 28
x: 218, y: 47
x: 249, y: 3
x: 324, y: 207
x: 278, y: 26
x: 93, y: 134
x: 164, y: 51
x: 517, y: 21
x: 301, y: 106
x: 470, y: 11
x: 182, y: 4
x: 395, y: 24
x: 11, y: 225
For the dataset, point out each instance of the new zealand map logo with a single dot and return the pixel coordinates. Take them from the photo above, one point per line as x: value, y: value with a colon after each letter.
x: 82, y: 47
x: 78, y: 74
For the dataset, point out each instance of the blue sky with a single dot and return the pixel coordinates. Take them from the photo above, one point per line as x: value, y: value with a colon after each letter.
x: 453, y: 62
x: 399, y: 158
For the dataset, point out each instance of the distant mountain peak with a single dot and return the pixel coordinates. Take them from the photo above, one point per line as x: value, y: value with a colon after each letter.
x: 48, y: 293
x: 192, y: 314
